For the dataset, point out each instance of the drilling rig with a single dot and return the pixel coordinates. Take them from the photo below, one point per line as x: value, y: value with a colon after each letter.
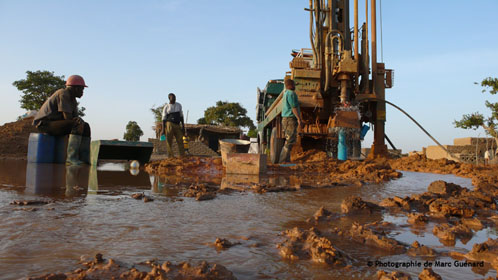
x: 339, y: 83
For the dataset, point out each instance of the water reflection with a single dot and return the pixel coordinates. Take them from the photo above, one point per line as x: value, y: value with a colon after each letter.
x: 61, y: 181
x: 112, y: 180
x: 56, y: 180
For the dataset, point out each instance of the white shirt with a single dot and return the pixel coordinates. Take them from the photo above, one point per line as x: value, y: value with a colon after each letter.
x: 172, y: 108
x: 486, y: 155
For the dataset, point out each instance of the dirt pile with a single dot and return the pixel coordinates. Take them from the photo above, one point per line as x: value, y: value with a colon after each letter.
x: 395, y: 275
x: 309, y: 156
x: 429, y: 274
x: 371, y: 235
x: 14, y: 138
x: 340, y: 172
x: 419, y: 163
x: 192, y: 165
x: 421, y: 250
x: 417, y: 219
x: 355, y: 205
x: 311, y: 245
x: 201, y: 192
x: 486, y: 251
x: 110, y: 269
x: 445, y: 200
x: 447, y: 233
x: 223, y: 244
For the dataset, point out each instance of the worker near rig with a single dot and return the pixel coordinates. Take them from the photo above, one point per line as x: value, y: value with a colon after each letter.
x: 58, y: 116
x: 172, y: 118
x: 291, y: 119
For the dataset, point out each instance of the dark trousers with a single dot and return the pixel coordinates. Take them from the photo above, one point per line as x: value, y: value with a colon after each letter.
x: 63, y: 127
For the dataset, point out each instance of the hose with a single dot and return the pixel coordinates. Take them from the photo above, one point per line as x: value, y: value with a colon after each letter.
x: 402, y: 111
x: 328, y: 45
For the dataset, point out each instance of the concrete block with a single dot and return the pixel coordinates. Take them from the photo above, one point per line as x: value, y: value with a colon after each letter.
x: 472, y: 141
x: 238, y: 163
x: 436, y: 152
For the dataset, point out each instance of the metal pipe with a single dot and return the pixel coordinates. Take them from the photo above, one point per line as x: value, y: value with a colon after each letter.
x: 356, y: 44
x: 367, y: 70
x: 311, y: 36
x: 356, y: 41
x: 344, y: 91
x: 330, y: 44
x: 374, y: 43
x: 318, y: 33
x: 330, y: 15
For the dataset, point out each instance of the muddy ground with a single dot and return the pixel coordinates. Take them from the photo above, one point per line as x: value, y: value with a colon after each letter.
x: 456, y: 212
x: 342, y: 239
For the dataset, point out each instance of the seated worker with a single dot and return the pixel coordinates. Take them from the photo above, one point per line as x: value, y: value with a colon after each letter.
x: 172, y: 118
x: 59, y: 116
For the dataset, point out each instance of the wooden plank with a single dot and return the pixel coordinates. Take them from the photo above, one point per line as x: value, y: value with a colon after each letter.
x: 305, y: 73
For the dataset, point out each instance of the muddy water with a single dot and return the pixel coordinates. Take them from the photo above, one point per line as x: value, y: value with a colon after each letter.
x: 92, y: 212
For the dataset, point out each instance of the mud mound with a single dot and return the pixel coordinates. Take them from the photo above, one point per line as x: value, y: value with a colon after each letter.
x: 356, y: 205
x: 309, y: 156
x: 394, y: 275
x: 110, y: 269
x: 486, y: 251
x: 370, y: 236
x: 14, y: 138
x: 420, y: 250
x: 309, y: 244
x: 429, y: 274
x: 192, y: 165
x: 419, y: 163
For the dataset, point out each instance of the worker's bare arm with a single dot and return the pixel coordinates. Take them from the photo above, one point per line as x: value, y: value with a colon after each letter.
x: 298, y: 116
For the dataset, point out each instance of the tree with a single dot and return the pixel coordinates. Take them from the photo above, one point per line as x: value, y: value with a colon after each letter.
x: 38, y: 87
x: 227, y: 113
x: 133, y: 132
x: 157, y: 112
x: 476, y: 120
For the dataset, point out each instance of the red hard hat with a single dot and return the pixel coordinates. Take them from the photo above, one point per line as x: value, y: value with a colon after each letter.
x: 75, y: 80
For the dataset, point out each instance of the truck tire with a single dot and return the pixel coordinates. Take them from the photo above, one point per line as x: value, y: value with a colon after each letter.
x: 275, y: 146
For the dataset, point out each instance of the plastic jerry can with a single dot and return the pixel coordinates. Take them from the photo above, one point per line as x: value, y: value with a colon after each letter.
x: 41, y: 148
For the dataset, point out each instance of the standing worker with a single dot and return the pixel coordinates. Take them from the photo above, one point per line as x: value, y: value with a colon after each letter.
x: 59, y: 116
x: 172, y: 117
x: 486, y: 157
x: 291, y: 119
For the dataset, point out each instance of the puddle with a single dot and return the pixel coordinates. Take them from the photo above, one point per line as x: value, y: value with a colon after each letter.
x: 92, y: 212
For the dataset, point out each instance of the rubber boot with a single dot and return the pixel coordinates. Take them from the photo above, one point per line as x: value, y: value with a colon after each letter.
x: 85, y: 150
x: 73, y: 148
x: 284, y: 155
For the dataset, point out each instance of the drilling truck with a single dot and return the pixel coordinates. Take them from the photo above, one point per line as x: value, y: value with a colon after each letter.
x: 339, y: 83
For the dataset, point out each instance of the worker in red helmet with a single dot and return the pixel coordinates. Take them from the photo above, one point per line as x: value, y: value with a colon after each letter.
x: 59, y: 116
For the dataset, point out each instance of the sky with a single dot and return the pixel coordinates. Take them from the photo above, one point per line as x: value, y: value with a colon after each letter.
x: 133, y: 53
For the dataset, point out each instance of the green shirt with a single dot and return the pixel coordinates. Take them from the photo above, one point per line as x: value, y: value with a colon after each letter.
x: 290, y: 101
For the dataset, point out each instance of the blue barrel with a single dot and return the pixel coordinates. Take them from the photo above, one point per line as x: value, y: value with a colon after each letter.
x: 364, y: 129
x: 41, y: 148
x: 342, y: 148
x: 60, y: 149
